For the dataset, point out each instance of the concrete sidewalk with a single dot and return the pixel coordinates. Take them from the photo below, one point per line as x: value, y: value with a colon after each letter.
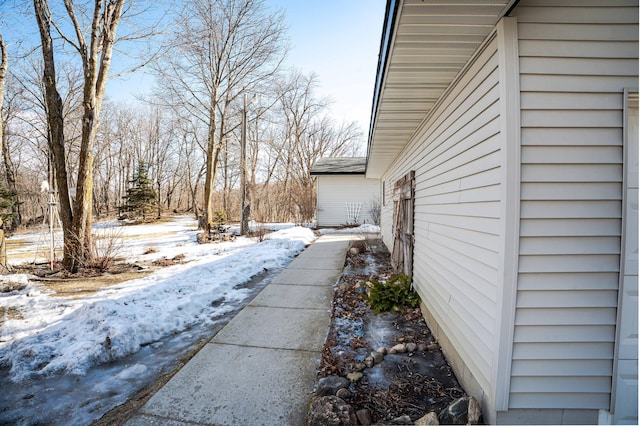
x: 260, y: 368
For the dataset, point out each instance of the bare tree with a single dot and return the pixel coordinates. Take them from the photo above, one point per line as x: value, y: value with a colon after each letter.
x: 55, y: 122
x: 94, y: 47
x: 4, y: 64
x: 222, y: 48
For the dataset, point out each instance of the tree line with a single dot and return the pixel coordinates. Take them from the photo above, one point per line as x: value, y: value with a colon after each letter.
x: 212, y: 61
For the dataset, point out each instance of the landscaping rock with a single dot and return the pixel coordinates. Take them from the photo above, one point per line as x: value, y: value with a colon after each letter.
x: 422, y: 347
x: 344, y: 393
x: 364, y: 417
x: 432, y: 346
x: 400, y: 348
x: 368, y: 361
x: 428, y: 420
x: 353, y: 251
x: 359, y: 366
x: 383, y: 351
x: 330, y: 411
x: 456, y: 413
x: 355, y: 376
x: 330, y: 385
x: 402, y: 420
x: 411, y: 347
x: 474, y: 413
x: 377, y: 357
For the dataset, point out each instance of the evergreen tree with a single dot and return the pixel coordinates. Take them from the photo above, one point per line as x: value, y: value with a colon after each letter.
x: 141, y: 199
x: 7, y: 202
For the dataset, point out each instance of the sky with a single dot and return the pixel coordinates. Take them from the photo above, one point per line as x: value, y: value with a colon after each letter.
x: 338, y: 40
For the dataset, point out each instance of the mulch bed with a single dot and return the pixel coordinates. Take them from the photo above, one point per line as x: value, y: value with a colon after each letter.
x: 412, y: 384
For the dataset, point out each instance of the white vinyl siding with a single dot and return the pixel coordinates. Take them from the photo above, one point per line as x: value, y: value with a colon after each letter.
x: 334, y: 191
x: 386, y: 216
x: 573, y: 71
x: 455, y: 154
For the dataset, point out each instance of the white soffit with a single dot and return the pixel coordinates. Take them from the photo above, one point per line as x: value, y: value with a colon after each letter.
x: 431, y: 42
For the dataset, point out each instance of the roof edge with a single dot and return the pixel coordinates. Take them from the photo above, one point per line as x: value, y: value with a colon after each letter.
x: 388, y: 30
x: 383, y: 56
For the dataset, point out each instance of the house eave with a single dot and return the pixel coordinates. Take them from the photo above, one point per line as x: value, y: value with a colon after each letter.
x: 423, y: 48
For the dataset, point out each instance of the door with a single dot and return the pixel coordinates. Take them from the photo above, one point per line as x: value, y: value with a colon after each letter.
x: 403, y: 200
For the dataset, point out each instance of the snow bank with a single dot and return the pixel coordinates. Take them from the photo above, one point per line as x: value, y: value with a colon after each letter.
x: 116, y: 322
x: 362, y: 229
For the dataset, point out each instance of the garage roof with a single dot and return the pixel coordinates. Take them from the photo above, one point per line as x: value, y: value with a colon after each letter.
x: 339, y: 166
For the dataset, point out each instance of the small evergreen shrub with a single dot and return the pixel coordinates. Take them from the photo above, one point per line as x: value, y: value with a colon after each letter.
x: 393, y: 295
x: 141, y: 199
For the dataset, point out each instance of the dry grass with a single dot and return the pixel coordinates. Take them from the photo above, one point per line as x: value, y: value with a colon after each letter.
x: 9, y: 313
x: 15, y: 244
x: 87, y: 286
x: 142, y: 236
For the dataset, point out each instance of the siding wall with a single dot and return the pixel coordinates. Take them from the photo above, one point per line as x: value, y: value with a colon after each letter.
x: 336, y: 190
x: 575, y: 62
x: 456, y: 158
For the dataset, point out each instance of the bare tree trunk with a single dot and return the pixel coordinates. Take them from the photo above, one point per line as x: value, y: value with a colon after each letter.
x: 213, y: 152
x: 4, y: 64
x: 96, y: 60
x: 10, y: 173
x: 55, y: 122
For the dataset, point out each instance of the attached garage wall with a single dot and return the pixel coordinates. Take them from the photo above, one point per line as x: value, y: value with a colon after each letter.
x: 575, y: 62
x: 456, y: 158
x: 334, y: 191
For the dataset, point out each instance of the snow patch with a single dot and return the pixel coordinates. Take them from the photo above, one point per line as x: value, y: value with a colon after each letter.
x: 362, y: 229
x: 64, y: 336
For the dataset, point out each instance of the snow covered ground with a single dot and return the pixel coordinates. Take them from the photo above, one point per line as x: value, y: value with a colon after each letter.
x: 67, y: 361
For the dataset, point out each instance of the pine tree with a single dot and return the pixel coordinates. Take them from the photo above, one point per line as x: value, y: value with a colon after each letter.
x: 141, y: 199
x: 7, y: 202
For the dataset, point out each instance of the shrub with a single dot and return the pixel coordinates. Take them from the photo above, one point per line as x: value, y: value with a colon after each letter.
x: 393, y: 295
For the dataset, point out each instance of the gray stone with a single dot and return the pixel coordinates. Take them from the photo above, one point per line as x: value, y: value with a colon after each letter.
x: 368, y: 361
x: 344, y: 393
x: 377, y: 357
x: 330, y: 410
x: 359, y: 366
x: 456, y: 413
x: 411, y: 347
x: 474, y: 412
x: 383, y: 351
x: 355, y: 376
x: 402, y: 420
x: 422, y: 347
x: 354, y: 251
x: 432, y: 346
x: 364, y: 417
x: 428, y: 420
x: 400, y: 348
x: 330, y: 385
x: 391, y: 351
